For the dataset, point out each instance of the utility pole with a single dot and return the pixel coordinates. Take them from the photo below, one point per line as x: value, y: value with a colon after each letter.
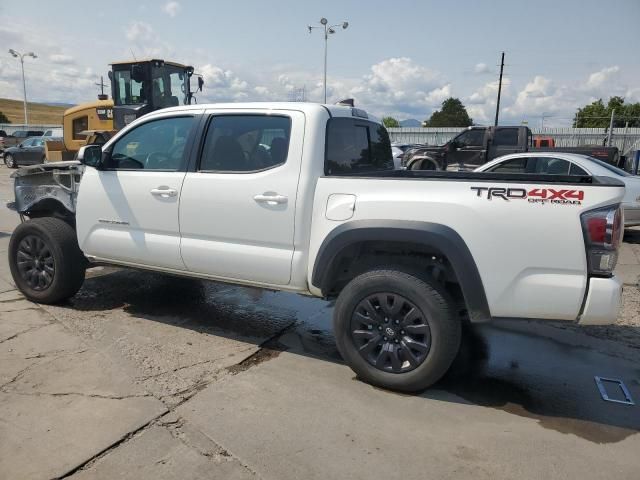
x: 499, y: 90
x: 613, y: 114
x: 624, y: 138
x: 101, y: 85
x: 102, y: 96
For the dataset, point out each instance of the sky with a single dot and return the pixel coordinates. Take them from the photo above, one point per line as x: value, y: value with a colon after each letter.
x: 397, y: 57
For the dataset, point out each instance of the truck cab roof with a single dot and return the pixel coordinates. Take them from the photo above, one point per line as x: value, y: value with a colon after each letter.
x: 305, y: 107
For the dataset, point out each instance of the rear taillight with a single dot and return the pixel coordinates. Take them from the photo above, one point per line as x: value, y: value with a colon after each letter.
x: 602, y: 231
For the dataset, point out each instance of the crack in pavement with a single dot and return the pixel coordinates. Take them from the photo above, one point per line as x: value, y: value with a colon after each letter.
x: 177, y: 369
x: 125, y: 438
x: 57, y: 354
x: 268, y: 344
x: 30, y: 329
x: 90, y: 395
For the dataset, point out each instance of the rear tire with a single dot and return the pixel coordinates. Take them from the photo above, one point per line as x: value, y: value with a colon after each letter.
x: 45, y: 260
x: 9, y: 161
x: 396, y: 330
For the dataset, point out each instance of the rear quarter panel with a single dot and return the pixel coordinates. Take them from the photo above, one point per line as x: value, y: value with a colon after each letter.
x: 530, y: 256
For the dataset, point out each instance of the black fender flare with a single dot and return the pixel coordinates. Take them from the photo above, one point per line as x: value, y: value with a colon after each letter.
x: 442, y: 239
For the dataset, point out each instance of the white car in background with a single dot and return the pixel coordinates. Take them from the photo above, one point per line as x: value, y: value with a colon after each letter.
x: 397, y: 150
x: 552, y: 163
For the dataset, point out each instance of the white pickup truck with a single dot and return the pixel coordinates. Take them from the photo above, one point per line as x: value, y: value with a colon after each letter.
x: 303, y: 198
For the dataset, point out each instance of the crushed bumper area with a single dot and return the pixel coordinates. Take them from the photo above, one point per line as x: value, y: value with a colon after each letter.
x: 55, y: 181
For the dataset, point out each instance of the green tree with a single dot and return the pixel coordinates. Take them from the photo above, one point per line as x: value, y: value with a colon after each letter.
x: 598, y: 115
x: 452, y: 114
x: 390, y: 122
x: 3, y: 118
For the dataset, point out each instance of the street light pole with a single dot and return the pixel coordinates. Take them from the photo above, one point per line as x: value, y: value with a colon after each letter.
x: 24, y: 83
x: 326, y: 44
x: 328, y: 30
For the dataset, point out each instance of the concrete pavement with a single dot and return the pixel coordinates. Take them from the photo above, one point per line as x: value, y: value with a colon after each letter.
x: 142, y: 376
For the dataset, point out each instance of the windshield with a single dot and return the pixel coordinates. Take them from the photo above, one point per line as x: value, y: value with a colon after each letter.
x: 127, y: 90
x: 169, y: 86
x: 611, y: 168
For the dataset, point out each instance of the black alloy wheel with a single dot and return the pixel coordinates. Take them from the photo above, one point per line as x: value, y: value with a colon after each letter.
x: 35, y: 262
x: 390, y: 332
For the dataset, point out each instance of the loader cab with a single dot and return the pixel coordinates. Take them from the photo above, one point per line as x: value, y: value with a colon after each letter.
x: 144, y: 86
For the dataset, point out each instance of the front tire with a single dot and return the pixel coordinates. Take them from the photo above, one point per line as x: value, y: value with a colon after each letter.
x: 45, y: 260
x: 9, y: 161
x: 396, y: 330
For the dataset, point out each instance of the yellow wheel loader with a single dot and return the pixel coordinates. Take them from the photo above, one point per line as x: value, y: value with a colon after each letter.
x: 137, y: 88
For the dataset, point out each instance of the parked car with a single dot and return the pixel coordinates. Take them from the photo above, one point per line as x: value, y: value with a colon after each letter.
x: 397, y: 151
x: 476, y: 146
x: 187, y: 191
x: 53, y: 132
x: 17, y: 137
x: 572, y: 164
x: 29, y: 152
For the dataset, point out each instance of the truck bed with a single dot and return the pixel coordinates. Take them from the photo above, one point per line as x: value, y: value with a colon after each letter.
x: 490, y: 177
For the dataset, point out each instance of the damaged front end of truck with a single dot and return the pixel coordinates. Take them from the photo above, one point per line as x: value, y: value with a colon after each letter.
x: 47, y: 190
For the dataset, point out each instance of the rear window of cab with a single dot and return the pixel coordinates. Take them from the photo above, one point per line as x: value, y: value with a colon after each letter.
x: 356, y: 146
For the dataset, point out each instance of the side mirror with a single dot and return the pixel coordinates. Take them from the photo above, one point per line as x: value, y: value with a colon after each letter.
x: 21, y: 146
x: 90, y: 155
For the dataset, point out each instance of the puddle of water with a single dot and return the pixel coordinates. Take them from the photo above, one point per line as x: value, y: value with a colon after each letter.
x: 549, y: 381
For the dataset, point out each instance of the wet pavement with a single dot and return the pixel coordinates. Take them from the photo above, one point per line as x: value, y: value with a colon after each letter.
x: 524, y: 368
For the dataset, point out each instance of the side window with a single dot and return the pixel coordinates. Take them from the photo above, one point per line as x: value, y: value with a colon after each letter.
x: 79, y: 125
x: 506, y: 136
x: 356, y: 146
x: 515, y: 165
x: 551, y: 166
x: 155, y: 145
x: 576, y: 170
x: 28, y: 142
x: 245, y: 143
x: 471, y: 138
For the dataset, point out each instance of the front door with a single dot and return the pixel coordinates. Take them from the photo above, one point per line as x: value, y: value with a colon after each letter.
x: 35, y: 151
x: 128, y: 209
x: 237, y: 208
x: 468, y: 150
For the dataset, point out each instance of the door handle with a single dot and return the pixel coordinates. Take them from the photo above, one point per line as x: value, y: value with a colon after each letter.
x: 271, y: 199
x: 164, y: 192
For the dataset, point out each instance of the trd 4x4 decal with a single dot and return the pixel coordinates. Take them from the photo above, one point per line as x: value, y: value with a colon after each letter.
x: 535, y: 195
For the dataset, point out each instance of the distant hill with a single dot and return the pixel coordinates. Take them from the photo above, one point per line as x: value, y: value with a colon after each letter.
x: 58, y: 104
x: 411, y: 122
x: 39, y: 113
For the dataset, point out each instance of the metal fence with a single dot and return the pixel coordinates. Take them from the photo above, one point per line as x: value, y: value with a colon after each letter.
x: 12, y: 127
x: 625, y: 139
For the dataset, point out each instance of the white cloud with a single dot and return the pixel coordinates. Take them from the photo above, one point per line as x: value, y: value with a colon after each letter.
x: 632, y: 95
x: 401, y: 87
x: 145, y: 42
x: 171, y: 8
x: 140, y: 32
x: 61, y: 59
x: 481, y: 68
x: 602, y: 77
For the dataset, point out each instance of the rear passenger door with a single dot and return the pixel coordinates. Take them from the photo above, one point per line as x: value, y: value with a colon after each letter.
x: 237, y: 208
x: 505, y: 141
